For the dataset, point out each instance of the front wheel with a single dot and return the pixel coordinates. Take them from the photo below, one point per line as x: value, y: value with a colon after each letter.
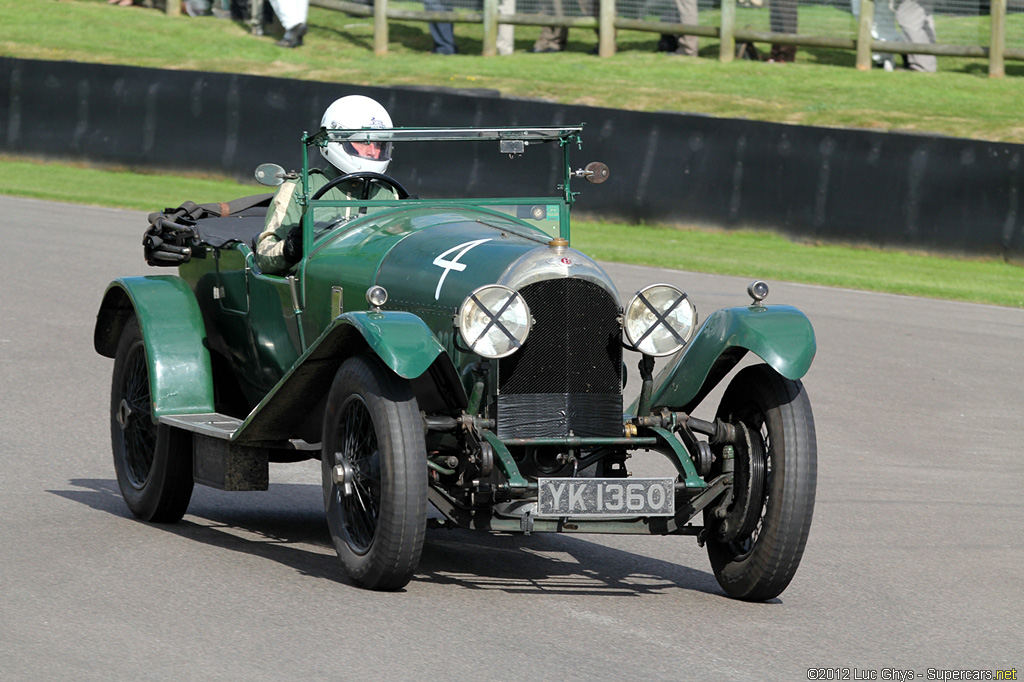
x: 153, y: 462
x: 756, y: 548
x: 374, y: 474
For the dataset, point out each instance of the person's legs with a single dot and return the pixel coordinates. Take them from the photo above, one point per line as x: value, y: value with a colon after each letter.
x: 291, y: 13
x: 682, y: 12
x: 918, y: 25
x: 443, y: 35
x: 506, y: 32
x: 883, y: 27
x: 197, y: 8
x: 782, y: 17
x: 687, y: 15
x: 551, y: 39
x: 441, y: 32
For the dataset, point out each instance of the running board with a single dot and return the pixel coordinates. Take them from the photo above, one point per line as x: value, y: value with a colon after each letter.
x: 216, y: 425
x: 218, y: 461
x: 211, y: 424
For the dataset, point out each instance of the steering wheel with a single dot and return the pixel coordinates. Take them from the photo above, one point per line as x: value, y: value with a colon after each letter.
x: 368, y: 178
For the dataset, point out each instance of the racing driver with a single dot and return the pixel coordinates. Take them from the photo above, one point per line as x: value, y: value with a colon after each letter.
x: 279, y: 246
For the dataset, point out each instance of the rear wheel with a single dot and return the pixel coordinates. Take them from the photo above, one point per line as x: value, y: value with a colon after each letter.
x: 374, y: 474
x: 756, y: 548
x: 153, y: 462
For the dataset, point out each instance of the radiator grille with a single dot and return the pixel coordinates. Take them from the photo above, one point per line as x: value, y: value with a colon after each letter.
x: 567, y: 378
x: 575, y: 345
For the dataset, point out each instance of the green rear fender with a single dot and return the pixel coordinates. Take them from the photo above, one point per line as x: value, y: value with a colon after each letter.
x: 402, y: 340
x: 180, y: 377
x: 780, y: 335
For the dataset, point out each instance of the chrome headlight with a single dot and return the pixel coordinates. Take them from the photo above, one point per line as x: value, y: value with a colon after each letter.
x: 659, y: 320
x: 494, y: 321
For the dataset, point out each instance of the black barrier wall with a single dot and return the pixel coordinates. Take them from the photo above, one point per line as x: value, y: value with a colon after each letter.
x: 830, y: 184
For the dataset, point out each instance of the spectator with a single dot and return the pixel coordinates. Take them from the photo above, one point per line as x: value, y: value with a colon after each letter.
x: 506, y: 43
x: 555, y: 38
x: 292, y: 14
x: 917, y: 21
x: 883, y: 27
x: 205, y: 8
x: 782, y: 17
x: 442, y: 32
x: 685, y: 12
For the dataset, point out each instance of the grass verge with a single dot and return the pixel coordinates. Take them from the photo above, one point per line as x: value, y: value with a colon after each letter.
x: 742, y: 253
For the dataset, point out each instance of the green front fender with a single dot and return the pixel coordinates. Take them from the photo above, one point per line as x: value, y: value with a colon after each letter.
x: 180, y: 377
x: 402, y: 340
x: 780, y: 335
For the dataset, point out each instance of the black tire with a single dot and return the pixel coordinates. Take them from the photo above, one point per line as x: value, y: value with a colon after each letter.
x: 373, y: 430
x: 776, y: 473
x: 153, y: 462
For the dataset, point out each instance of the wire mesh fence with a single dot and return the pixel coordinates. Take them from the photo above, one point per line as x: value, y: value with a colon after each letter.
x: 810, y: 17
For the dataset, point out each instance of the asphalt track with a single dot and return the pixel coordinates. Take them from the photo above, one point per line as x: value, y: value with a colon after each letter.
x: 914, y: 560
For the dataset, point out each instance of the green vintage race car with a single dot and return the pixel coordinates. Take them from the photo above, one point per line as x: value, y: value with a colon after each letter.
x: 458, y: 353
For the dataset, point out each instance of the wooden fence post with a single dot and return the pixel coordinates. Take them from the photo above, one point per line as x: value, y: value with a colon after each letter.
x: 490, y: 28
x: 997, y: 44
x: 867, y: 18
x: 606, y: 28
x: 380, y: 27
x: 173, y: 8
x: 727, y: 44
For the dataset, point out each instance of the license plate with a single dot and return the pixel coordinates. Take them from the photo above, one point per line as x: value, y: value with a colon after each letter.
x: 606, y: 497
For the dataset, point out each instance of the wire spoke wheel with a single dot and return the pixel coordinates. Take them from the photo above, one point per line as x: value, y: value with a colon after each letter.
x: 756, y: 548
x: 153, y: 462
x: 360, y: 459
x: 135, y: 418
x: 374, y: 474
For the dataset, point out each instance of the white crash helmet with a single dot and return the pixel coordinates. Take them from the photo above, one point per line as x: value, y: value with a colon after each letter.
x: 355, y: 112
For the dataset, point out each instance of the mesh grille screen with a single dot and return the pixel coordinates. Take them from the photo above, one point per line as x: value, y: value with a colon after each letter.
x: 575, y: 345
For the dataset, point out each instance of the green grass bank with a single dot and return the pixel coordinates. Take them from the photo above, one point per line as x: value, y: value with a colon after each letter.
x: 822, y: 88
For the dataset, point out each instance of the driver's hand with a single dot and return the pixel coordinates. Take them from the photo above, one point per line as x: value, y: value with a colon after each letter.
x: 293, y: 245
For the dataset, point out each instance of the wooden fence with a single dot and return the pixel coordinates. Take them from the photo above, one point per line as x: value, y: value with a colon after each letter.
x: 607, y: 22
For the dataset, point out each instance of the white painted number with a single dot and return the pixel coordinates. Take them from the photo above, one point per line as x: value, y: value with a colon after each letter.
x: 454, y: 263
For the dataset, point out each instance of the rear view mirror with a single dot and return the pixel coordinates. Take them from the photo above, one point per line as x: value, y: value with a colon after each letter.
x: 270, y: 174
x: 596, y: 172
